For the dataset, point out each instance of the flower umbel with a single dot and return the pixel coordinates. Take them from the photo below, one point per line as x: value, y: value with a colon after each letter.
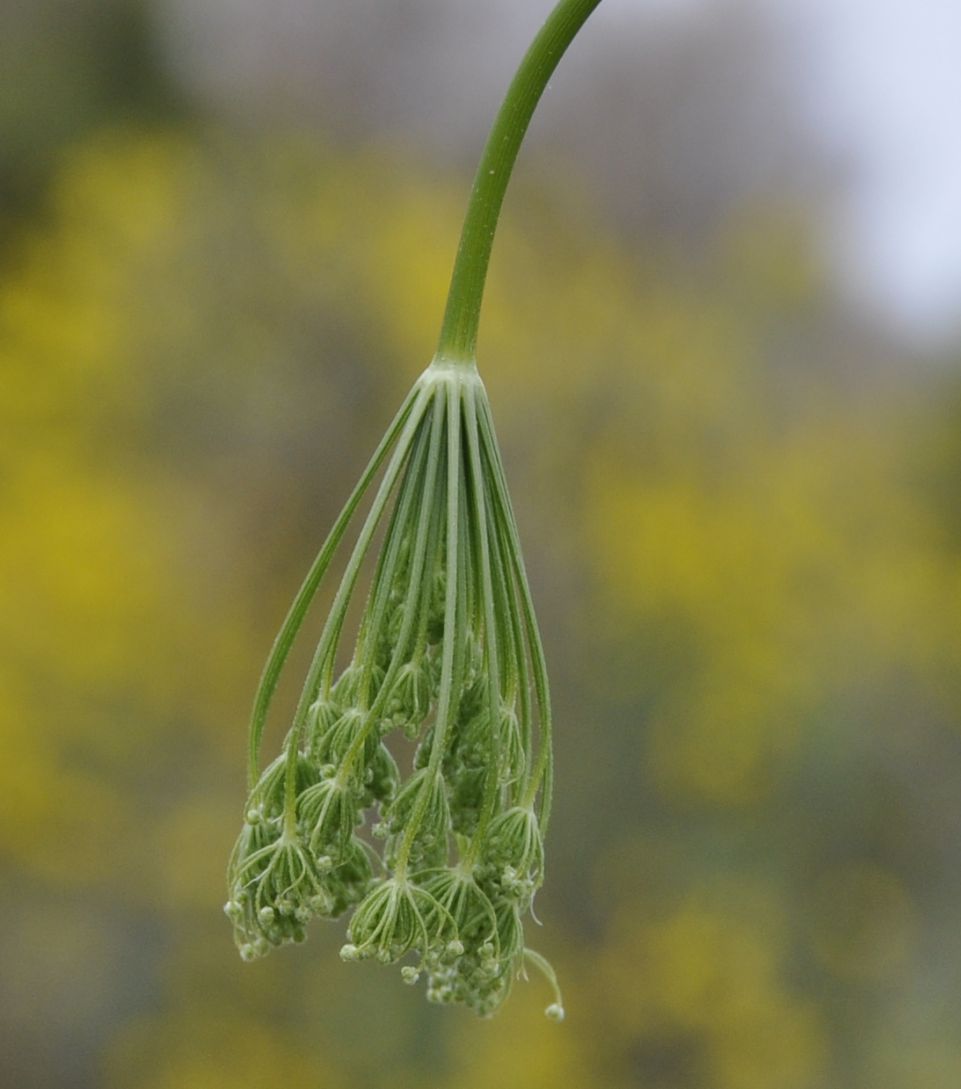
x: 447, y: 654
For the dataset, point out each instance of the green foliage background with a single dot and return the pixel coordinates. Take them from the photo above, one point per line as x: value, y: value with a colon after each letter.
x: 741, y: 529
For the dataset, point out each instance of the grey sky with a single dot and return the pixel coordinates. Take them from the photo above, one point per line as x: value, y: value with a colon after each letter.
x: 885, y: 81
x: 880, y: 80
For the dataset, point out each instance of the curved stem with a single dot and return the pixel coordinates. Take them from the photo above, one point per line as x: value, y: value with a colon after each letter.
x: 305, y: 595
x: 454, y: 625
x: 429, y: 480
x: 493, y: 663
x: 541, y: 775
x: 458, y: 335
x: 332, y: 628
x: 397, y: 537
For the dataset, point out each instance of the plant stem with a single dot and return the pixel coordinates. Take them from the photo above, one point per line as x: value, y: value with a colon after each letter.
x: 305, y: 595
x: 458, y: 335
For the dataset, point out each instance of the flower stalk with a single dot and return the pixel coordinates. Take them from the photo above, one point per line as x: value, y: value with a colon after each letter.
x: 446, y: 655
x: 458, y: 335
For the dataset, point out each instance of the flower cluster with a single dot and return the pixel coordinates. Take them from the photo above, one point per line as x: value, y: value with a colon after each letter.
x: 439, y: 863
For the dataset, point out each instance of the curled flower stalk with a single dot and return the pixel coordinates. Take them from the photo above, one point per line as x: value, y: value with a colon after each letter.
x: 436, y: 856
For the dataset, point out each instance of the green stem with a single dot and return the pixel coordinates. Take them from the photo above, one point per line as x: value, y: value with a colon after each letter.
x: 493, y: 663
x: 454, y: 626
x: 428, y: 481
x: 305, y: 595
x: 541, y: 775
x: 458, y: 335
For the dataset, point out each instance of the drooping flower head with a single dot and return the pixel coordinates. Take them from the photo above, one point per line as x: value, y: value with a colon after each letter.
x: 446, y: 654
x: 440, y: 859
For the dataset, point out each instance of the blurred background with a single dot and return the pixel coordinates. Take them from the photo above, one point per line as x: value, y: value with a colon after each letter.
x: 722, y: 342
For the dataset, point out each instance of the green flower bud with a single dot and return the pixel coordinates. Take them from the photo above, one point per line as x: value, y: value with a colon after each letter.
x: 515, y: 845
x: 426, y: 843
x: 327, y: 814
x: 395, y: 917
